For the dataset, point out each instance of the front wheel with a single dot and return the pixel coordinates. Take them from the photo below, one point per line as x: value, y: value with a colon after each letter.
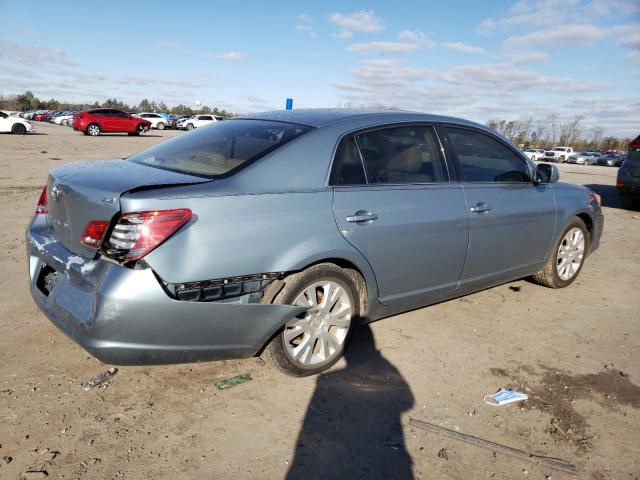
x: 315, y: 340
x: 93, y: 130
x: 567, y: 258
x: 189, y: 127
x: 18, y: 129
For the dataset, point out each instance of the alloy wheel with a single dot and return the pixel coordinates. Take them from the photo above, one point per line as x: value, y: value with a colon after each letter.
x: 570, y: 254
x: 318, y: 336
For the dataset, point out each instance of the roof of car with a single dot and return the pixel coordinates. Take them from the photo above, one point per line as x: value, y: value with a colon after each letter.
x: 321, y: 117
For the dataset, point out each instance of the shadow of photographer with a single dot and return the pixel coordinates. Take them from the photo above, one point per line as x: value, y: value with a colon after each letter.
x: 353, y: 428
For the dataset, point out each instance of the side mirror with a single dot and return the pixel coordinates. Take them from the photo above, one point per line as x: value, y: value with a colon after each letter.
x: 546, y: 173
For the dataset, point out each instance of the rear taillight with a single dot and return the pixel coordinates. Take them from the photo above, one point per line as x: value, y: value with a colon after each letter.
x: 137, y: 234
x: 93, y: 233
x: 619, y: 184
x: 42, y: 209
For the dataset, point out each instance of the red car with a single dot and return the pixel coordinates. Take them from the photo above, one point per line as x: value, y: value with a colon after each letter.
x: 108, y: 120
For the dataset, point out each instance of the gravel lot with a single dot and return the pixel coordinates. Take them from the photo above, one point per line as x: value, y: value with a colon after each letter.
x: 575, y: 351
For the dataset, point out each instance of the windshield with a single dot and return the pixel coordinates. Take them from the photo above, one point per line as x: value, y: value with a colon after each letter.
x: 558, y: 149
x: 221, y: 147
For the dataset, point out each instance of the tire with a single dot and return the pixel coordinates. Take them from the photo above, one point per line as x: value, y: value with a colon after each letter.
x: 160, y: 126
x: 139, y: 129
x: 562, y: 159
x: 314, y: 338
x: 626, y: 201
x: 133, y: 134
x: 189, y: 127
x: 93, y: 130
x: 18, y: 129
x: 550, y: 275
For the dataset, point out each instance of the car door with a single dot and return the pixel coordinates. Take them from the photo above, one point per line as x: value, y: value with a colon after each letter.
x: 512, y: 219
x: 104, y: 119
x: 394, y: 202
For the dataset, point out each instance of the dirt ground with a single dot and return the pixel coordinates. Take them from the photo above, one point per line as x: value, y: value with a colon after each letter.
x: 574, y: 351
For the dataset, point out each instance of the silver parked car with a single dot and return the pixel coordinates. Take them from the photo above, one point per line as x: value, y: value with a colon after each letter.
x: 286, y: 230
x: 583, y: 158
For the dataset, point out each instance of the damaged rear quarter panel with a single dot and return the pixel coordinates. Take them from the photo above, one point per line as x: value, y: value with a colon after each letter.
x: 235, y: 235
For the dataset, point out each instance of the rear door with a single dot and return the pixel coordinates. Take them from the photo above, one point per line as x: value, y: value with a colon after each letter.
x: 512, y: 220
x: 104, y: 119
x: 393, y: 201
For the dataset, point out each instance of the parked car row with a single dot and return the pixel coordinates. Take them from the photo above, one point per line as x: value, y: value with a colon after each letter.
x: 610, y: 158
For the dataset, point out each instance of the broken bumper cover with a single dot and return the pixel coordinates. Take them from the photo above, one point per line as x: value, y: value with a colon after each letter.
x: 123, y: 316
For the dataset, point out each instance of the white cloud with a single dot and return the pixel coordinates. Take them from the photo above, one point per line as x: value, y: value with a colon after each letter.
x: 305, y: 25
x: 33, y: 54
x: 528, y: 57
x: 408, y: 41
x: 233, y: 56
x: 362, y: 21
x: 485, y: 27
x: 566, y: 35
x: 462, y: 47
x: 628, y: 35
x: 633, y: 57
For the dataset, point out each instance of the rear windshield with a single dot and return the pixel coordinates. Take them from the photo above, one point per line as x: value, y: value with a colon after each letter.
x: 219, y: 148
x: 633, y: 158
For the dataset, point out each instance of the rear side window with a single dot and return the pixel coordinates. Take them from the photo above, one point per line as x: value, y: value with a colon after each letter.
x: 484, y: 159
x: 348, y: 169
x: 221, y: 147
x: 402, y: 155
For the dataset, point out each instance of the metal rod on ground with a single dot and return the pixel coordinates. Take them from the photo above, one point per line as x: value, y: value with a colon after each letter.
x: 496, y: 447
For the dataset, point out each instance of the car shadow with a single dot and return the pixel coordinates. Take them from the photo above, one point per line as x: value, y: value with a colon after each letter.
x: 352, y: 428
x: 609, y: 195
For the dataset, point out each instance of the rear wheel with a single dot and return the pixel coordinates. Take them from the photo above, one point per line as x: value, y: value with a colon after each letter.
x: 626, y: 201
x: 315, y: 340
x: 93, y: 129
x: 18, y: 129
x: 562, y: 159
x: 160, y: 126
x: 568, y: 256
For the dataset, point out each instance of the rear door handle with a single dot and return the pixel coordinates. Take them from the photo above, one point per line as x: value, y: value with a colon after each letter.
x: 362, y: 216
x: 481, y: 207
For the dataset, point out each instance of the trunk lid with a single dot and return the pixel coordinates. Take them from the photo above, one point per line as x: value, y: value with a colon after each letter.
x: 81, y: 192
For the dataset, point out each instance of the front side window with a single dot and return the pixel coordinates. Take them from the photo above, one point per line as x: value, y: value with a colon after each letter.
x: 205, y: 117
x: 402, y: 155
x: 484, y: 159
x: 217, y: 149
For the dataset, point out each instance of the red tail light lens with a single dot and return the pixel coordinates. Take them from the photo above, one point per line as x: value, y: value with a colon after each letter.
x: 619, y: 184
x: 139, y: 233
x: 93, y: 232
x: 42, y: 208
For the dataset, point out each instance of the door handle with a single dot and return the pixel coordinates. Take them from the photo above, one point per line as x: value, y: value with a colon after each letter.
x: 481, y: 207
x: 362, y: 216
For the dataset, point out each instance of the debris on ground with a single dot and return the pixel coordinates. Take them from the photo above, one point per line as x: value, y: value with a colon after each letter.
x: 443, y: 454
x: 33, y: 474
x: 495, y: 447
x: 7, y: 459
x: 502, y: 397
x: 233, y: 381
x: 515, y: 289
x: 100, y: 380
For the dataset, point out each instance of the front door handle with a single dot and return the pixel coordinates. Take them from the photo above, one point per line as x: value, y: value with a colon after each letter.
x: 362, y: 216
x: 481, y: 207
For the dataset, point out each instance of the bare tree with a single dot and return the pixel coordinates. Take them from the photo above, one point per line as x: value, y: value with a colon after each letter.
x: 570, y: 130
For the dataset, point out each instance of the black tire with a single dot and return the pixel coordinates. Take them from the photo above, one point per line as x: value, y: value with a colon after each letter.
x: 548, y: 276
x: 18, y: 129
x: 160, y: 126
x: 133, y: 134
x: 626, y: 201
x: 139, y: 129
x: 93, y: 129
x: 562, y: 159
x: 352, y: 283
x: 189, y: 127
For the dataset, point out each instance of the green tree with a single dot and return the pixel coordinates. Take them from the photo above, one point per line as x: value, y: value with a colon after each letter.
x: 145, y: 106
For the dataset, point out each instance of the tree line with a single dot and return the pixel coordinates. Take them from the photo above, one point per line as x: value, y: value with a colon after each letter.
x: 28, y: 101
x: 553, y: 131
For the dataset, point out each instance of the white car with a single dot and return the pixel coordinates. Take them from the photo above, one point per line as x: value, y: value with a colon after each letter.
x: 157, y: 121
x: 63, y: 119
x: 557, y: 154
x: 534, y: 153
x: 196, y: 121
x: 9, y: 123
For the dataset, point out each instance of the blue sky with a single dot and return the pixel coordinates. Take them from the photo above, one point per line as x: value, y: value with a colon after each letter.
x: 478, y: 60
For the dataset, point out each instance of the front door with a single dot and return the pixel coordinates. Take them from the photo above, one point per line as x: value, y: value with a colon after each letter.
x: 512, y: 220
x: 402, y: 213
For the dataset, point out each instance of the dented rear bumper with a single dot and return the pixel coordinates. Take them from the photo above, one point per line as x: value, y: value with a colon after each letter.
x: 124, y: 317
